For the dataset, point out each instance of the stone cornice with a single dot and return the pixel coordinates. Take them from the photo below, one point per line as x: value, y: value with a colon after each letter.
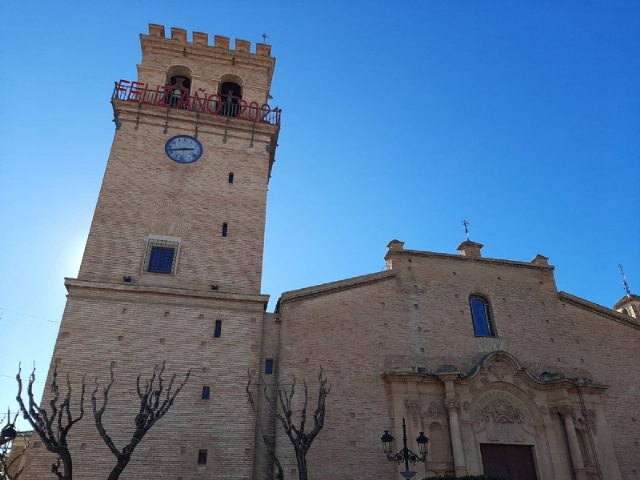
x: 599, y: 309
x: 485, y: 365
x: 159, y: 115
x: 133, y: 292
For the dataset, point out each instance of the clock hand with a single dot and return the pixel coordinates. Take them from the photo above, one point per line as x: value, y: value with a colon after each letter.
x: 175, y: 149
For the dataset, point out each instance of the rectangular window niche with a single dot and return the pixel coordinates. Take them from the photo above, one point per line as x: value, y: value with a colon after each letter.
x: 161, y: 255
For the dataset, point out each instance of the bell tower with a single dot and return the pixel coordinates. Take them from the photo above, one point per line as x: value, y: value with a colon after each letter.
x: 172, y: 267
x: 183, y: 199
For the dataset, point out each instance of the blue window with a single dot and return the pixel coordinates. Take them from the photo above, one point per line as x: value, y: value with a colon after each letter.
x: 161, y: 259
x: 202, y: 457
x: 225, y: 228
x: 268, y: 367
x: 206, y: 393
x: 481, y: 316
x: 217, y: 331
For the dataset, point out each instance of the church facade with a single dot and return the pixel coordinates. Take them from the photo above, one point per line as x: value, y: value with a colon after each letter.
x: 502, y: 372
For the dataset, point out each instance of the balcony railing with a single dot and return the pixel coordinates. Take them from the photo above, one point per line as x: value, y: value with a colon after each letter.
x: 213, y: 104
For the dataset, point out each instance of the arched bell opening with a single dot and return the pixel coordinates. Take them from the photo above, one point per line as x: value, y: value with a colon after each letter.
x: 231, y: 94
x: 179, y: 81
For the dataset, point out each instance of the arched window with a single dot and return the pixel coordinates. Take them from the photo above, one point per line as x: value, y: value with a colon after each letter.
x: 179, y: 79
x: 481, y: 316
x: 231, y: 94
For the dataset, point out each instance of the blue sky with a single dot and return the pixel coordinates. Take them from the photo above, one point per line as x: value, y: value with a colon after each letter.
x: 400, y: 119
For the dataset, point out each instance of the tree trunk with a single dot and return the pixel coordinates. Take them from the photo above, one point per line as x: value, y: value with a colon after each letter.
x: 67, y: 465
x: 119, y: 468
x: 301, y: 457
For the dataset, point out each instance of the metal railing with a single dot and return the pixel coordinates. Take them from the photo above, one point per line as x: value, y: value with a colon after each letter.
x: 214, y: 104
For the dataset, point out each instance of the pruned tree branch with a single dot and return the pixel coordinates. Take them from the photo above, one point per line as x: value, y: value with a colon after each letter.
x: 52, y: 428
x: 155, y: 402
x: 9, y: 461
x: 283, y: 410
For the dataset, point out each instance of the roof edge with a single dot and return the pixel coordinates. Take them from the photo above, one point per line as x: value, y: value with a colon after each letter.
x: 594, y: 307
x: 332, y: 287
x: 499, y: 261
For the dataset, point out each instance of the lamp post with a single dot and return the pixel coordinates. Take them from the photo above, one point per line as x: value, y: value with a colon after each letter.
x: 405, y: 455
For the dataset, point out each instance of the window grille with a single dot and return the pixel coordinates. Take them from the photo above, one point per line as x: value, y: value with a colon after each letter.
x: 161, y: 256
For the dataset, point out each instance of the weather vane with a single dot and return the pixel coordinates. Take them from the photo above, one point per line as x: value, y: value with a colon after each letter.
x: 264, y: 37
x: 466, y: 229
x: 624, y: 281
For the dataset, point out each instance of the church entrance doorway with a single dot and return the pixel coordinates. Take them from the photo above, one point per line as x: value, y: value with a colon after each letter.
x: 512, y: 462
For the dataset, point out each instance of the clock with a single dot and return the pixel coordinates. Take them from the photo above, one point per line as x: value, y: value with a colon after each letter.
x: 183, y: 149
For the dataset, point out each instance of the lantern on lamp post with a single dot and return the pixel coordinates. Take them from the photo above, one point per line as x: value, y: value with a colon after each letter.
x: 405, y: 455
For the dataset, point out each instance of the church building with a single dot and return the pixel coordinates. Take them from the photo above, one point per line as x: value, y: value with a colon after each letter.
x: 503, y: 373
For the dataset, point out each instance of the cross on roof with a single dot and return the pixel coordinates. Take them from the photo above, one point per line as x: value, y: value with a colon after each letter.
x: 466, y: 229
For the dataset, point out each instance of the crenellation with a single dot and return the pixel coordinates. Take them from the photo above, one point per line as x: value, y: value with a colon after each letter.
x: 263, y: 49
x: 179, y: 34
x: 243, y: 46
x: 156, y: 30
x: 201, y: 38
x: 221, y: 41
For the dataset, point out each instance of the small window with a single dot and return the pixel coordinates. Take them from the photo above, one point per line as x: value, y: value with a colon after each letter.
x: 225, y: 228
x: 481, y: 316
x: 202, y: 457
x: 161, y: 259
x: 206, y: 393
x: 231, y: 177
x: 161, y: 255
x: 217, y: 330
x: 268, y: 367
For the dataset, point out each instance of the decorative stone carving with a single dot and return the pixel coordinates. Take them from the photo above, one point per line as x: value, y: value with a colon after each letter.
x: 498, y: 367
x: 436, y: 409
x: 543, y: 410
x: 413, y: 405
x: 588, y: 419
x: 565, y: 411
x: 501, y: 411
x: 452, y: 404
x: 414, y: 409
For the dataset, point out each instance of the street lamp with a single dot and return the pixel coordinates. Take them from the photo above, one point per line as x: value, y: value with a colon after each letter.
x: 405, y: 455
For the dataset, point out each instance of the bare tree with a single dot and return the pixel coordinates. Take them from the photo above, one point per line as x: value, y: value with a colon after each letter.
x: 52, y: 427
x: 269, y: 442
x: 10, y: 468
x: 11, y: 454
x: 155, y: 402
x: 282, y: 406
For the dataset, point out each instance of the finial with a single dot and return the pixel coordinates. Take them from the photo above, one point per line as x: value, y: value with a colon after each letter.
x: 624, y: 281
x: 466, y: 229
x: 264, y: 37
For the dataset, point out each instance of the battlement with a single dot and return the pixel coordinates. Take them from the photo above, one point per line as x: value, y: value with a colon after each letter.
x: 179, y: 35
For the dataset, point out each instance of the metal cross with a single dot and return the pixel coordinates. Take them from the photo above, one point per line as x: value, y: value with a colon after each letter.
x: 466, y: 229
x: 264, y: 37
x: 624, y: 281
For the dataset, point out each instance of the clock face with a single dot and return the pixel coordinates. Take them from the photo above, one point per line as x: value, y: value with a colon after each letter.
x: 183, y: 149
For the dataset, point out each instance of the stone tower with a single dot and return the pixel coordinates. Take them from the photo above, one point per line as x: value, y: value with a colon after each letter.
x: 172, y: 267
